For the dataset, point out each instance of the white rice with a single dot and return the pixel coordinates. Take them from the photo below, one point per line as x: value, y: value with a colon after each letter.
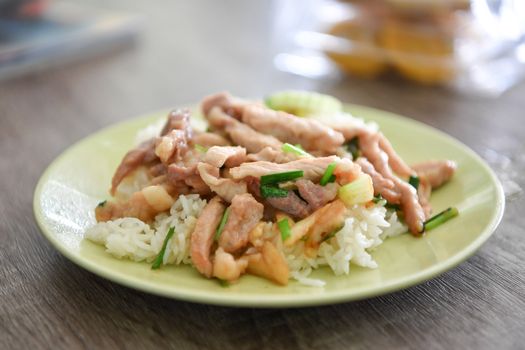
x: 364, y: 229
x: 133, y: 239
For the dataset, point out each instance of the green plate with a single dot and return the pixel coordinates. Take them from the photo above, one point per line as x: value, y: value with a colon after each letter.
x: 79, y: 178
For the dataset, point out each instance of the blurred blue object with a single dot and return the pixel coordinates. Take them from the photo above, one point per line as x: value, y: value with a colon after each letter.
x: 61, y: 34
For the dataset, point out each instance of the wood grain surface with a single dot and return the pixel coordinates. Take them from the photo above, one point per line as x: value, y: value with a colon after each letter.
x: 189, y: 49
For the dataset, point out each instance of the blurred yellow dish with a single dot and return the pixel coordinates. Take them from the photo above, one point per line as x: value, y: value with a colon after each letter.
x: 419, y: 52
x: 361, y: 61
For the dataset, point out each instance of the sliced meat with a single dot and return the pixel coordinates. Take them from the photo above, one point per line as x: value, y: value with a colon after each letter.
x: 327, y: 219
x: 394, y: 160
x: 423, y: 193
x: 245, y: 214
x: 272, y: 155
x: 316, y: 195
x: 171, y: 148
x: 269, y: 264
x: 241, y: 134
x: 229, y: 156
x: 226, y: 268
x: 203, y: 234
x: 310, y: 133
x: 412, y: 209
x: 175, y: 137
x: 226, y: 102
x: 178, y: 119
x: 226, y: 188
x: 209, y: 139
x: 313, y: 168
x: 290, y: 204
x: 383, y: 186
x: 437, y: 172
x: 143, y: 154
x: 143, y: 205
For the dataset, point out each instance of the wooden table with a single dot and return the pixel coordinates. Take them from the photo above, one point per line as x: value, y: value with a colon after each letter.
x: 190, y: 49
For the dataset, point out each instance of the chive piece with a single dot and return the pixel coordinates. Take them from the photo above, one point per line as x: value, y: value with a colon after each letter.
x: 377, y: 198
x: 353, y: 147
x: 160, y: 258
x: 298, y: 145
x: 288, y: 148
x: 396, y: 207
x: 284, y: 227
x: 224, y: 218
x: 101, y: 204
x: 224, y: 283
x: 272, y: 191
x: 414, y: 181
x: 328, y: 174
x: 440, y: 218
x: 201, y: 148
x: 281, y: 177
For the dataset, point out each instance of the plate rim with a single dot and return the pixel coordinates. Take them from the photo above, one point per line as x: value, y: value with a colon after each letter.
x: 275, y: 301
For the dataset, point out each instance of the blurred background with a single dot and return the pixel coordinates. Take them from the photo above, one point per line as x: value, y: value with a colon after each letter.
x: 441, y: 62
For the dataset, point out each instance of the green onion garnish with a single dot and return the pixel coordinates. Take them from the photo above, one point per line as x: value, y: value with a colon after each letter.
x: 272, y: 191
x: 284, y: 227
x: 377, y: 198
x: 353, y: 147
x: 224, y: 218
x: 414, y: 181
x: 160, y: 258
x: 440, y: 218
x: 101, y: 204
x: 201, y: 148
x: 272, y: 179
x: 288, y: 148
x: 328, y: 174
x: 224, y: 283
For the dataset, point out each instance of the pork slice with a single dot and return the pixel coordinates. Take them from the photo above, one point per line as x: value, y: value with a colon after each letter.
x: 316, y: 195
x: 436, y: 172
x: 397, y: 164
x: 141, y: 155
x: 291, y: 204
x: 178, y: 119
x: 241, y: 134
x: 383, y: 186
x: 270, y: 154
x: 175, y: 137
x: 225, y: 155
x: 245, y: 214
x: 209, y: 139
x: 310, y: 133
x: 225, y: 188
x: 203, y: 234
x: 313, y: 168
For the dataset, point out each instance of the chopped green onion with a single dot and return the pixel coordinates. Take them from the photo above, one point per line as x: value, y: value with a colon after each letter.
x: 298, y: 145
x: 160, y: 258
x: 281, y: 177
x: 284, y: 227
x: 224, y: 283
x: 377, y: 198
x: 353, y: 147
x: 101, y: 204
x: 414, y: 181
x: 328, y: 174
x: 392, y: 206
x: 224, y: 218
x: 201, y: 148
x: 440, y: 218
x: 272, y: 191
x: 288, y: 148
